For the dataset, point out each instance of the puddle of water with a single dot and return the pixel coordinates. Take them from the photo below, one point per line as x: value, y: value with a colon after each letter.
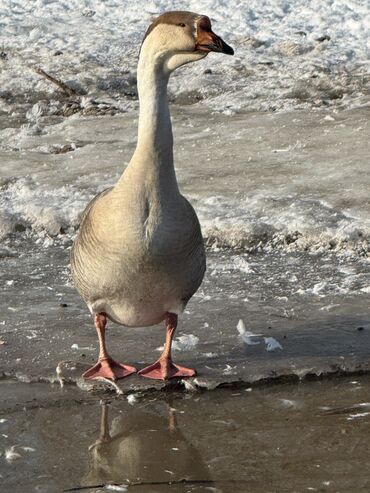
x: 307, y: 437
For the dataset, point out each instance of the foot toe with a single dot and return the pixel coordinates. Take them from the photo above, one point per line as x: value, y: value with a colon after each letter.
x: 182, y: 371
x: 166, y: 370
x: 108, y: 368
x: 153, y: 371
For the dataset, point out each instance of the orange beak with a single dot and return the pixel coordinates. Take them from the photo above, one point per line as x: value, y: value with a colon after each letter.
x: 208, y: 41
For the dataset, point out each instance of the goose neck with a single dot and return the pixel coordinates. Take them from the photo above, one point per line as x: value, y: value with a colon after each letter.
x: 155, y: 129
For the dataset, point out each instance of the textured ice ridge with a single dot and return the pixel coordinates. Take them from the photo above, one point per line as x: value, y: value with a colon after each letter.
x: 27, y: 207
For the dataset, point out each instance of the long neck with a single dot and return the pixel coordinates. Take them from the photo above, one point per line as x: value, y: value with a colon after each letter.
x: 155, y: 129
x: 154, y: 150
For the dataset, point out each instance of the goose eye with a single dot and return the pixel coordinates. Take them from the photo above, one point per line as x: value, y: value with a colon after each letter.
x: 181, y: 24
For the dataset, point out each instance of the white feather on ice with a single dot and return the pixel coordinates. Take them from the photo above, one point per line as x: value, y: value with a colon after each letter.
x: 247, y: 336
x: 77, y: 347
x: 11, y: 455
x: 250, y: 338
x: 115, y: 487
x: 229, y: 370
x: 272, y: 344
x: 358, y: 415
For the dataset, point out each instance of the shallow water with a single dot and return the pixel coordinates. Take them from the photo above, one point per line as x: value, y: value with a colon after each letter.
x: 310, y: 437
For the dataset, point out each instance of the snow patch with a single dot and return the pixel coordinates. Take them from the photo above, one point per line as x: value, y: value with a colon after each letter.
x: 301, y: 52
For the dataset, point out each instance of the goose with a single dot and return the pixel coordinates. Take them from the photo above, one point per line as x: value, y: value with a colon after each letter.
x: 139, y: 255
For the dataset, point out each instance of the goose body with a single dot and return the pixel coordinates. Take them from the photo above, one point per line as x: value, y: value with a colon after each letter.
x: 139, y: 255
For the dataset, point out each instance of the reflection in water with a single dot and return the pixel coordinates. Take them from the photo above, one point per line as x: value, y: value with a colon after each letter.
x: 275, y: 439
x: 147, y: 449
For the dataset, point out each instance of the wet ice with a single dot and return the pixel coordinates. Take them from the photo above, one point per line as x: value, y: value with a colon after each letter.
x: 115, y: 445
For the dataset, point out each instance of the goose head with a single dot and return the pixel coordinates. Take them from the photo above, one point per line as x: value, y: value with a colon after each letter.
x: 178, y: 37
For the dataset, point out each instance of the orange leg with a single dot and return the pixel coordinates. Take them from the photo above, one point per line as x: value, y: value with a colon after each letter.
x: 164, y: 368
x: 106, y: 366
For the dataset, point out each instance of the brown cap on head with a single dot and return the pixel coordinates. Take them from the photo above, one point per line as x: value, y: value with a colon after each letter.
x: 176, y: 18
x: 206, y: 40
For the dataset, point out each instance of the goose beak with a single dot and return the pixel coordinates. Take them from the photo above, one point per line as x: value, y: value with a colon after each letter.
x: 208, y: 41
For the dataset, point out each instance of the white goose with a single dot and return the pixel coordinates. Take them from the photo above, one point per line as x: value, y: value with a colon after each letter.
x: 139, y: 256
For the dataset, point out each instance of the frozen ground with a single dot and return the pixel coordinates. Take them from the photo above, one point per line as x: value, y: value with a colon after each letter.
x: 283, y: 202
x: 302, y: 315
x: 289, y: 54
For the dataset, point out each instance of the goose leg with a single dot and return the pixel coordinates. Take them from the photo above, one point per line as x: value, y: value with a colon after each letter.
x: 106, y: 366
x: 104, y: 436
x: 164, y: 368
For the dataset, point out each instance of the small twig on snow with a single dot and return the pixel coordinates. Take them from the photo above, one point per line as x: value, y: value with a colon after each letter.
x: 64, y: 87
